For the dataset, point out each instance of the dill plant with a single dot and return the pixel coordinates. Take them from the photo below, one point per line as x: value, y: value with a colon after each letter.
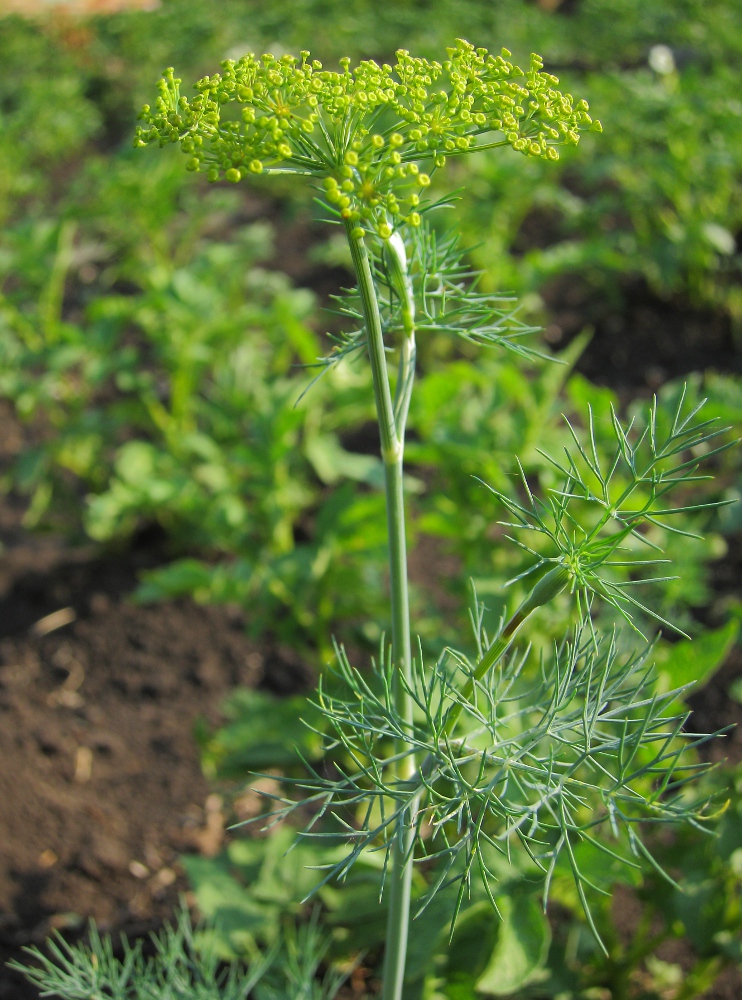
x: 443, y: 763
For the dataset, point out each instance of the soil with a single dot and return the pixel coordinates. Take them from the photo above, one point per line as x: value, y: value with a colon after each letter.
x: 101, y: 788
x: 714, y: 710
x: 640, y: 340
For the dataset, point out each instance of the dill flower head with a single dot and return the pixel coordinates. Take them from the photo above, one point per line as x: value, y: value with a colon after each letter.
x: 373, y: 133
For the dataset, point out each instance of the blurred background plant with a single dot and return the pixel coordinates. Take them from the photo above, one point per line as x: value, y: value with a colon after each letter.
x: 152, y: 338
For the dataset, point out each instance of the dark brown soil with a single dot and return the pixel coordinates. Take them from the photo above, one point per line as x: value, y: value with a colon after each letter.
x: 640, y: 340
x: 100, y: 787
x: 713, y: 710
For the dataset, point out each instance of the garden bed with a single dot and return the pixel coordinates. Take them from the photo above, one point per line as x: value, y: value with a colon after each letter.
x: 102, y: 699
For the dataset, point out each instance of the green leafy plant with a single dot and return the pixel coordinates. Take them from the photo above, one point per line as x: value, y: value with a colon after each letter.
x: 461, y: 765
x: 470, y: 419
x: 153, y: 406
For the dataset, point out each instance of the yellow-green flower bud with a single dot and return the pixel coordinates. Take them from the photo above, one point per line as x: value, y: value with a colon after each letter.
x: 233, y: 175
x: 547, y: 588
x: 474, y: 92
x: 423, y: 180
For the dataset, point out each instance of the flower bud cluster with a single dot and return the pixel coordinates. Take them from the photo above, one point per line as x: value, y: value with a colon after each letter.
x: 368, y: 132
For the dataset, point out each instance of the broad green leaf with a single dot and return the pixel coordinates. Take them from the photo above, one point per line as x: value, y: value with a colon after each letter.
x: 182, y: 576
x: 247, y: 890
x: 473, y: 943
x: 600, y: 868
x: 332, y: 462
x: 694, y: 661
x: 701, y: 908
x: 136, y: 462
x: 237, y: 917
x: 427, y: 944
x: 356, y: 913
x: 292, y: 867
x: 521, y: 948
x: 263, y: 731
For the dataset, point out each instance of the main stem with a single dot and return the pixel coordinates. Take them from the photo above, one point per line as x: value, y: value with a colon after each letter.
x: 392, y: 453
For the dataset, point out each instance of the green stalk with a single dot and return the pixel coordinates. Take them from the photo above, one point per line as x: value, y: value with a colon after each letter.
x: 392, y: 419
x: 547, y: 588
